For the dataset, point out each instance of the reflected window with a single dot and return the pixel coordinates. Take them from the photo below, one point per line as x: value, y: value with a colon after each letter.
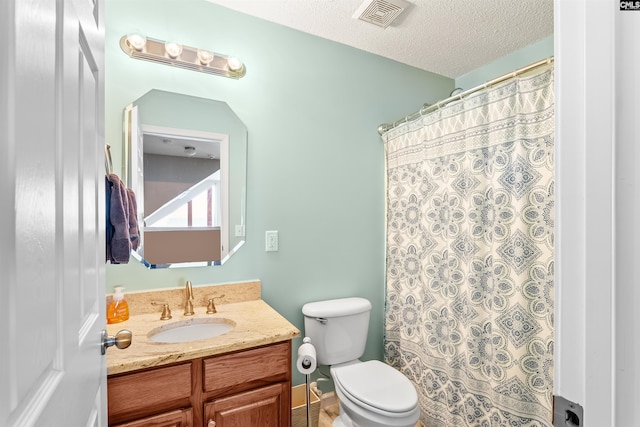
x: 198, y: 206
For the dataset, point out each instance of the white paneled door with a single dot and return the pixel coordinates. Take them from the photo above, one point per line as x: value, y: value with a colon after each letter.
x: 52, y: 372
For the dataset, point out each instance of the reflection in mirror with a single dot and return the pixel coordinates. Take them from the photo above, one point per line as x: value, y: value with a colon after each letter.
x: 185, y: 158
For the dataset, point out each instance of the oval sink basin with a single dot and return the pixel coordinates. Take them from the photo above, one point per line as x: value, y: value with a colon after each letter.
x: 190, y: 330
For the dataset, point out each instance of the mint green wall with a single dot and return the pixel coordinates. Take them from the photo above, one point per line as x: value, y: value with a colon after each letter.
x: 521, y: 58
x: 315, y: 160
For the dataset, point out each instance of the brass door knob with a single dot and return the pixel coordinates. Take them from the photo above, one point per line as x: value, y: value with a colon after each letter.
x: 121, y: 340
x: 211, y: 423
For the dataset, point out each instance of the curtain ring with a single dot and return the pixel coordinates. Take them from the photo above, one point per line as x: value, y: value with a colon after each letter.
x: 424, y: 108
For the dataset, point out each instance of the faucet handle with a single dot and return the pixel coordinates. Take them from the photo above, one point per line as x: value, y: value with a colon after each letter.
x: 166, y: 311
x: 211, y: 307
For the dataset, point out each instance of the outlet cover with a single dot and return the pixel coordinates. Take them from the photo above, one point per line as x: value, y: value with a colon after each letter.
x: 271, y: 241
x: 567, y: 413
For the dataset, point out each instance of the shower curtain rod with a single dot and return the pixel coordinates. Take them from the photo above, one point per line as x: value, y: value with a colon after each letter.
x: 383, y: 128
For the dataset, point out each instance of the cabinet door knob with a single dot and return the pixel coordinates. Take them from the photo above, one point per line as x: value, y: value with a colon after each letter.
x: 211, y: 423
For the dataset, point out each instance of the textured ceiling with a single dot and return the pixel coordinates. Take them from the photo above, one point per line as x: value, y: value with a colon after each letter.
x: 447, y: 37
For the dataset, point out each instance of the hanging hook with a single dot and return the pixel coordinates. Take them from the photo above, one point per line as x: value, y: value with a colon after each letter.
x: 108, y: 164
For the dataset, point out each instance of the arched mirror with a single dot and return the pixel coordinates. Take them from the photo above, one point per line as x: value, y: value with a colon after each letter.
x: 185, y: 158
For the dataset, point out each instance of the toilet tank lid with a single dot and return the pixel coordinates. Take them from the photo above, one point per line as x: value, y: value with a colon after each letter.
x: 336, y: 307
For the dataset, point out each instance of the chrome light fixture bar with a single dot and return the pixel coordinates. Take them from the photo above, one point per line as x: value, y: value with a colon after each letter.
x: 191, y: 58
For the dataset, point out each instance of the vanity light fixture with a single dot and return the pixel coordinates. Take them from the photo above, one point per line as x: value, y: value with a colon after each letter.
x: 171, y: 53
x: 234, y: 64
x: 136, y: 41
x: 173, y: 49
x: 204, y: 56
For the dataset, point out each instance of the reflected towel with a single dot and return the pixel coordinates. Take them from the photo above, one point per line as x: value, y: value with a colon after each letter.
x: 108, y: 226
x: 119, y: 219
x: 134, y: 231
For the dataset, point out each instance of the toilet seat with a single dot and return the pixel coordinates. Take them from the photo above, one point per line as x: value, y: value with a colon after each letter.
x: 376, y: 387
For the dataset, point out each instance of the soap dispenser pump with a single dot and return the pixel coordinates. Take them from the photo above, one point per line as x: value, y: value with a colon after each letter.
x: 118, y: 310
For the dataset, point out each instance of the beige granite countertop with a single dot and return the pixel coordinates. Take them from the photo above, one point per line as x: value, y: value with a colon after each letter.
x: 256, y: 324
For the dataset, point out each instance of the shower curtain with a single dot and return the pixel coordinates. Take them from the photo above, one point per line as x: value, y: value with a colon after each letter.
x: 470, y: 267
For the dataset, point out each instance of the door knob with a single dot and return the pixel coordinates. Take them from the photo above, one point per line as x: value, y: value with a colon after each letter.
x: 211, y: 423
x: 121, y: 340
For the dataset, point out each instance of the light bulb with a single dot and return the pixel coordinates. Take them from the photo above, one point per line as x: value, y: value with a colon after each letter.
x: 234, y: 64
x: 137, y: 40
x: 205, y: 56
x: 173, y: 49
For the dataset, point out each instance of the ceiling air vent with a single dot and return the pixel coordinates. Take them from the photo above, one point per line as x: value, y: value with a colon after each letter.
x: 380, y: 12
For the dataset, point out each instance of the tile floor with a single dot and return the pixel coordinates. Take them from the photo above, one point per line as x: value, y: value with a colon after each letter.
x: 329, y: 409
x: 327, y: 414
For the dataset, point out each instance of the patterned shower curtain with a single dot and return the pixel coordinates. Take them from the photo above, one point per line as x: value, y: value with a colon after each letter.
x: 470, y: 262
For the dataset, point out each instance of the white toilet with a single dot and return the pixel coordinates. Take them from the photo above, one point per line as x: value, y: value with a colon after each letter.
x: 371, y: 394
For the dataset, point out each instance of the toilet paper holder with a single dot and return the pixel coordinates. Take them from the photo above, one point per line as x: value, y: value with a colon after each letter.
x: 306, y: 365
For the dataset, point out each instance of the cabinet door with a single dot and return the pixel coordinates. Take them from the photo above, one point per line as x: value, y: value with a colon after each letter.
x: 264, y: 407
x: 179, y: 418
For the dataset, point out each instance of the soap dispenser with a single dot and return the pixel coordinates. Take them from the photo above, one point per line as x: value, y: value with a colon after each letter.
x: 118, y: 310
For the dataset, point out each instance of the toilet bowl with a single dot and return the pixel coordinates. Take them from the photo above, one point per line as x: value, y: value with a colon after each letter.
x: 371, y: 393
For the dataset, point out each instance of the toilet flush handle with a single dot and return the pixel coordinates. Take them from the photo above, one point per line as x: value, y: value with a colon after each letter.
x: 322, y: 320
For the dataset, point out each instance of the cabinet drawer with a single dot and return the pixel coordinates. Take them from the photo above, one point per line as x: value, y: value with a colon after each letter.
x: 133, y: 392
x: 272, y: 363
x: 179, y: 418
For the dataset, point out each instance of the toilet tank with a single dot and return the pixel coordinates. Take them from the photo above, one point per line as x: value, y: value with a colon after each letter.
x: 338, y: 328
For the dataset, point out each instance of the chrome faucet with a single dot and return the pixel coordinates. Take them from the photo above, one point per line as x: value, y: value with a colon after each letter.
x: 188, y: 306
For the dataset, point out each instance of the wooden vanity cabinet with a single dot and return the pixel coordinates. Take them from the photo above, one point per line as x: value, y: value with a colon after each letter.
x: 240, y: 389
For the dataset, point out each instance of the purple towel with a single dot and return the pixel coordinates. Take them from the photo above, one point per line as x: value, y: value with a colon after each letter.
x: 134, y: 232
x: 119, y: 218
